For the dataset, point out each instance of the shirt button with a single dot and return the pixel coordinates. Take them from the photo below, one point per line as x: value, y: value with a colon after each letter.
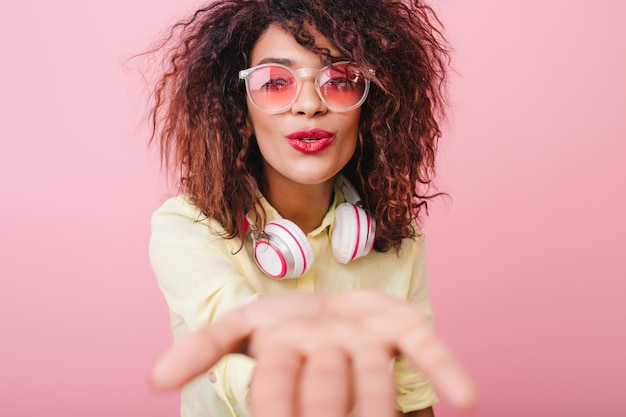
x: 212, y: 377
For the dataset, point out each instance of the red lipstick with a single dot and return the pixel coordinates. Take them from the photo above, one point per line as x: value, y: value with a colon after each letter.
x: 310, y: 140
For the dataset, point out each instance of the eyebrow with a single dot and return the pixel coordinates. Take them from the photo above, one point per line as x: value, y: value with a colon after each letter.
x: 281, y: 61
x: 289, y: 63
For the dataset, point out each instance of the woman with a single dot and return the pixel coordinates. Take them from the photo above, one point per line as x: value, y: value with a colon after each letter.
x: 300, y: 130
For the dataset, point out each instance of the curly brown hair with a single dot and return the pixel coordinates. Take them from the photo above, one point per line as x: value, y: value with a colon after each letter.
x: 199, y: 111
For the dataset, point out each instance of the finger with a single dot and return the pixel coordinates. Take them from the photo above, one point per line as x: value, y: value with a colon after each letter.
x: 375, y: 388
x: 197, y: 351
x: 325, y: 387
x: 273, y: 389
x: 427, y: 352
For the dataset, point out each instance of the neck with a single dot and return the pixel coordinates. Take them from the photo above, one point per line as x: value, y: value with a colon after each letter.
x: 305, y: 205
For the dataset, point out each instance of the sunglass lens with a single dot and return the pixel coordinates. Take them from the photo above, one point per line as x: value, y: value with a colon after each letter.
x: 272, y: 88
x: 342, y: 85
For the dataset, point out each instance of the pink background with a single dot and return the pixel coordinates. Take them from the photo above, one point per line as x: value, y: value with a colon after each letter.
x: 526, y: 259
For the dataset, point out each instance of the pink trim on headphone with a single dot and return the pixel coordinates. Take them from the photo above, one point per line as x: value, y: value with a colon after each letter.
x: 283, y: 264
x: 246, y: 225
x: 358, y: 232
x: 295, y: 239
x: 369, y: 242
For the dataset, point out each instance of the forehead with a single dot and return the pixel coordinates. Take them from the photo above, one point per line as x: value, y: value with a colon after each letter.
x: 275, y: 42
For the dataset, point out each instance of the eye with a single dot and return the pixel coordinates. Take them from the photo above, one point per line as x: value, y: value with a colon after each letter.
x: 276, y: 84
x: 342, y: 78
x: 339, y: 83
x: 271, y: 79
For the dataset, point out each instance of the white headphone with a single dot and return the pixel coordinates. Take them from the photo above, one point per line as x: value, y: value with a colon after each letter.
x: 282, y: 250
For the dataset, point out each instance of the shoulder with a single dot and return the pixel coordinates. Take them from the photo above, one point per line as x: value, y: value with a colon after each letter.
x: 182, y: 240
x: 179, y: 205
x: 179, y: 215
x: 409, y: 245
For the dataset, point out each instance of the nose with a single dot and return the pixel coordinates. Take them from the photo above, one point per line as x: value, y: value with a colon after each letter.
x: 308, y: 102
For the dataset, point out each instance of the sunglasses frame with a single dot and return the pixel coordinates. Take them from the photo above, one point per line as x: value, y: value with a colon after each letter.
x: 303, y: 74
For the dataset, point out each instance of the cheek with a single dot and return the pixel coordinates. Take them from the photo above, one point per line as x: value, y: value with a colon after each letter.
x: 350, y: 141
x: 254, y: 120
x: 263, y: 127
x: 352, y: 123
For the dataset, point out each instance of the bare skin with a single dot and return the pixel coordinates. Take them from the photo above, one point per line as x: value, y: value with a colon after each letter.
x: 320, y: 354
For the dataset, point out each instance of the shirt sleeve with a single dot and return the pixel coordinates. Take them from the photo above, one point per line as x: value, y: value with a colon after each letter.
x: 201, y: 280
x: 415, y: 392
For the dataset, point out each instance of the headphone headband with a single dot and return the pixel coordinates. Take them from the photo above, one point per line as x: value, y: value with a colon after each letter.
x: 347, y: 189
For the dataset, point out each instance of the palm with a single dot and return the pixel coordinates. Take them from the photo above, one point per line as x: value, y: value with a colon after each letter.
x: 319, y: 354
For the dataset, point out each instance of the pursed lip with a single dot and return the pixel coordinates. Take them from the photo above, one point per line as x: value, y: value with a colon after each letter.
x: 315, y: 133
x: 310, y: 141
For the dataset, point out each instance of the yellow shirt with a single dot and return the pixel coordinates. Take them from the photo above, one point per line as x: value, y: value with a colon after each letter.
x: 202, y: 276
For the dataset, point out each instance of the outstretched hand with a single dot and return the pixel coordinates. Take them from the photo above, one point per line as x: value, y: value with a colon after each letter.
x: 319, y: 354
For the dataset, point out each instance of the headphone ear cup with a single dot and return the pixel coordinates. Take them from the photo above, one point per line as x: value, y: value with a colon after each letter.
x: 283, y: 251
x: 353, y: 233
